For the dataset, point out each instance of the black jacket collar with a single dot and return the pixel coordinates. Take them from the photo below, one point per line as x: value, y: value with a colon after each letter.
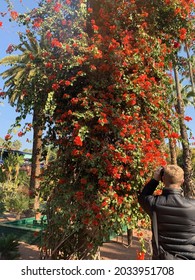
x: 172, y: 191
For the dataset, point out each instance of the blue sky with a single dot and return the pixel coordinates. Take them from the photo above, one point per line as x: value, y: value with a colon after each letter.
x: 8, y: 35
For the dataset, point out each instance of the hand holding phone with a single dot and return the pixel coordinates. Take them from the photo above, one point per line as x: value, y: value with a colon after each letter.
x: 158, y: 173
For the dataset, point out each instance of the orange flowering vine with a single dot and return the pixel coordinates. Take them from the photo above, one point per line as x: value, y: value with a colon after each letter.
x: 106, y: 65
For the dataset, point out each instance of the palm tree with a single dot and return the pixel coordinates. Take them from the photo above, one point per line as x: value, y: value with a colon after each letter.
x: 24, y: 84
x: 187, y: 158
x: 190, y: 60
x: 186, y: 93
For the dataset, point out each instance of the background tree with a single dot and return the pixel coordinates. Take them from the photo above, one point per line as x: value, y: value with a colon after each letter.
x: 189, y: 186
x: 184, y: 91
x: 16, y: 145
x: 26, y: 87
x: 1, y: 141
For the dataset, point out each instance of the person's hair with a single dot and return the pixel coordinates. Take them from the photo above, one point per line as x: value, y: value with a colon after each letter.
x: 173, y: 175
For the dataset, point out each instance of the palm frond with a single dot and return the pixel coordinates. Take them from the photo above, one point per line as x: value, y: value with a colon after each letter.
x: 10, y: 60
x: 190, y: 94
x: 23, y: 70
x: 18, y: 76
x: 34, y: 44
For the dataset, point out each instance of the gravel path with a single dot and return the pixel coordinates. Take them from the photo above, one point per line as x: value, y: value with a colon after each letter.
x: 116, y: 249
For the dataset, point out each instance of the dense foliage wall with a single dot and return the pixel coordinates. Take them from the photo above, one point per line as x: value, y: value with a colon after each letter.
x: 108, y: 111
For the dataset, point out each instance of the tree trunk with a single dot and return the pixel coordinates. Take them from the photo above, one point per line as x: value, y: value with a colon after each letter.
x: 36, y: 158
x: 173, y: 152
x: 84, y: 252
x: 190, y: 68
x: 187, y: 159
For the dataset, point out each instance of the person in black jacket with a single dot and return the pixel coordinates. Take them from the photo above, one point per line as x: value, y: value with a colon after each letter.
x: 175, y: 213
